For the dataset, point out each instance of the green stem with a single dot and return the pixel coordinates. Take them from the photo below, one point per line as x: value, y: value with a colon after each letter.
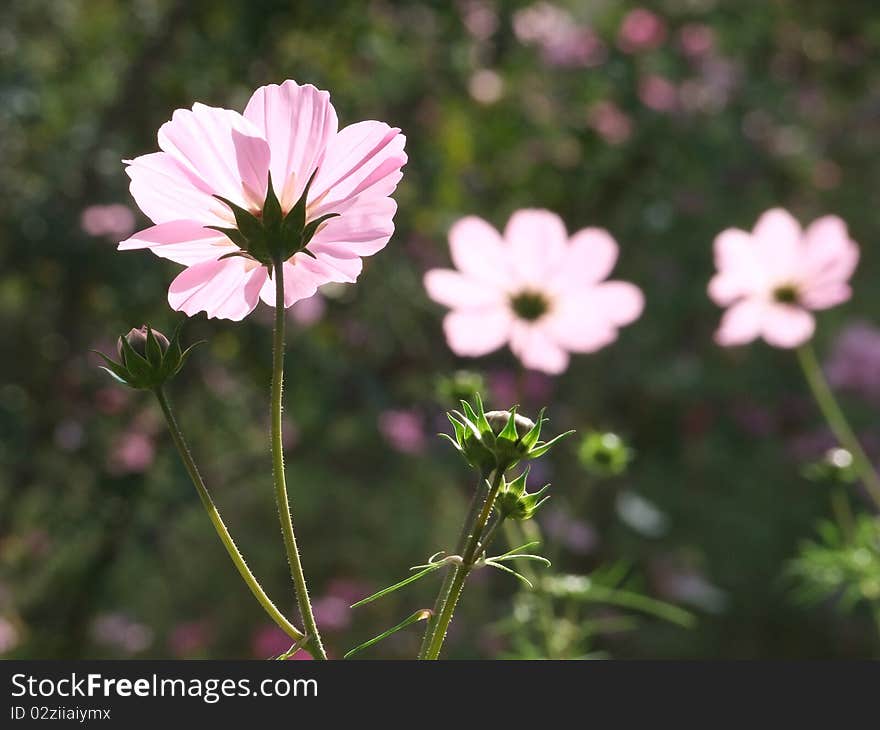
x: 281, y: 500
x: 461, y: 572
x: 214, y: 515
x: 474, y: 508
x: 516, y: 535
x: 837, y: 421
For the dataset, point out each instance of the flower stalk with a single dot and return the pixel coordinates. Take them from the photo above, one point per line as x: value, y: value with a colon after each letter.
x: 837, y: 421
x: 475, y: 528
x: 281, y: 500
x: 220, y: 527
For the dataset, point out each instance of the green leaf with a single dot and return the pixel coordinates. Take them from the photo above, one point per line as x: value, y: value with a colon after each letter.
x: 420, y: 615
x: 505, y: 569
x: 397, y: 586
x: 524, y: 556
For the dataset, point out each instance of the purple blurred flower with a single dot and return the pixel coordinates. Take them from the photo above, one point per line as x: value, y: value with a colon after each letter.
x: 641, y: 30
x: 576, y: 535
x: 854, y: 362
x: 113, y: 221
x: 306, y: 312
x: 332, y: 613
x: 120, y: 632
x: 561, y: 40
x: 508, y: 388
x: 404, y: 430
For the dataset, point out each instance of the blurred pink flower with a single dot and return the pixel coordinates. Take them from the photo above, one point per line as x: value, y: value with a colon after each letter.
x: 854, y: 362
x: 613, y: 125
x: 269, y: 641
x: 561, y: 40
x: 658, y: 93
x: 115, y: 221
x: 534, y: 289
x: 404, y: 430
x: 479, y: 17
x: 291, y: 132
x: 332, y: 613
x: 771, y: 279
x: 120, y: 632
x: 641, y: 30
x: 696, y: 39
x: 133, y: 453
x: 9, y: 636
x: 189, y: 638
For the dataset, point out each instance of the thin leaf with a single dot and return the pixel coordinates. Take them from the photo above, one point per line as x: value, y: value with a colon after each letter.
x: 511, y: 571
x: 516, y: 550
x: 397, y: 586
x: 524, y: 556
x: 420, y: 615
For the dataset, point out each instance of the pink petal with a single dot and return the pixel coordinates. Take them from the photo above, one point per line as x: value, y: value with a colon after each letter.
x: 778, y: 244
x: 578, y: 327
x: 300, y: 283
x: 363, y: 228
x: 591, y: 256
x: 476, y: 332
x: 363, y: 158
x: 185, y: 242
x: 535, y: 348
x: 741, y: 323
x: 330, y: 268
x: 619, y: 301
x: 297, y: 122
x: 458, y: 291
x: 227, y: 289
x: 537, y: 240
x: 825, y: 296
x: 223, y: 149
x: 831, y: 257
x: 785, y: 325
x: 740, y: 272
x: 166, y: 191
x: 478, y: 250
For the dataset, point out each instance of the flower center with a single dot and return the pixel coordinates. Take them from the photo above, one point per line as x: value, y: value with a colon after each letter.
x: 785, y: 294
x: 529, y: 305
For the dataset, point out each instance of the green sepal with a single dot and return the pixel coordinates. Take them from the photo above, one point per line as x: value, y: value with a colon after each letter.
x: 311, y: 228
x: 272, y: 215
x: 234, y: 235
x: 509, y: 432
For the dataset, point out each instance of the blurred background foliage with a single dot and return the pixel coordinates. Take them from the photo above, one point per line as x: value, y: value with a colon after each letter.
x: 663, y: 122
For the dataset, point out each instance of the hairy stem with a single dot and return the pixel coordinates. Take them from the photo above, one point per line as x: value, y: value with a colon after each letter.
x: 475, y: 529
x: 281, y: 500
x: 223, y: 533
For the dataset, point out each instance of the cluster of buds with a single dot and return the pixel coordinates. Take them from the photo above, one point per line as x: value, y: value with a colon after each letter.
x: 497, y: 439
x: 514, y: 500
x: 604, y: 454
x: 147, y: 358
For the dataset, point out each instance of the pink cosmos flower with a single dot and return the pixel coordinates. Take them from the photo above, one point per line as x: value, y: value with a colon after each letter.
x: 290, y: 131
x: 641, y: 30
x: 772, y: 278
x: 532, y: 288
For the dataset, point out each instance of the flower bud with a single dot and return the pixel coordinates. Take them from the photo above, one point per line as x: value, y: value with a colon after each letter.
x: 497, y: 439
x: 147, y: 358
x: 137, y: 338
x: 604, y: 454
x: 515, y: 502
